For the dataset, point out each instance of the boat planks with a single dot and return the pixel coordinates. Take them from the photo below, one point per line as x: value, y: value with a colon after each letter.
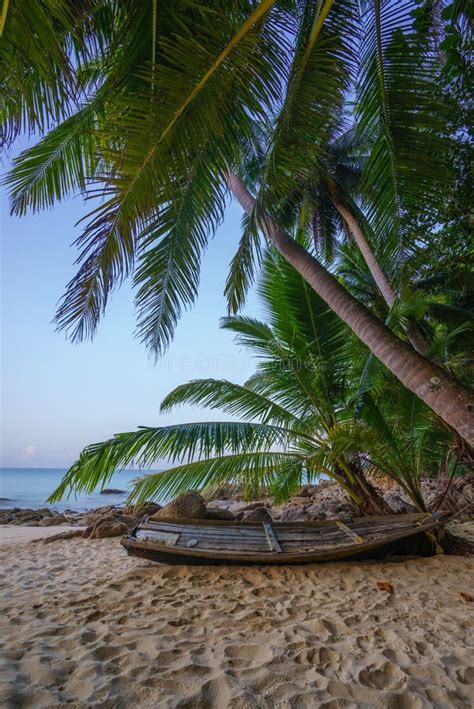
x: 222, y: 542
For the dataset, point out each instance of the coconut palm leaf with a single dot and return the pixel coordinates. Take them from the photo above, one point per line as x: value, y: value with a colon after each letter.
x: 398, y: 109
x: 255, y: 470
x: 60, y: 163
x: 229, y: 397
x: 147, y: 446
x: 36, y: 78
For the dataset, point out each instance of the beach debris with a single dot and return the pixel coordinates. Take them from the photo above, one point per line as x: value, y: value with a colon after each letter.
x: 191, y: 505
x: 385, y: 586
x: 466, y: 597
x: 70, y: 534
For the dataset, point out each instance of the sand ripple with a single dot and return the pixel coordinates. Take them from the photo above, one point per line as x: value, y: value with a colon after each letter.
x: 83, y: 625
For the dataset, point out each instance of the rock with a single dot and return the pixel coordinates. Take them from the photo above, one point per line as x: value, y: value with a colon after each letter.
x: 237, y: 509
x: 26, y: 512
x: 108, y: 527
x: 216, y: 513
x: 131, y: 522
x: 45, y: 512
x: 146, y: 509
x: 105, y: 510
x: 52, y: 521
x: 299, y: 501
x: 307, y: 490
x: 188, y: 506
x: 257, y: 504
x: 293, y: 514
x: 90, y: 518
x: 226, y: 491
x: 25, y: 517
x: 259, y: 514
x: 112, y: 491
x: 398, y: 503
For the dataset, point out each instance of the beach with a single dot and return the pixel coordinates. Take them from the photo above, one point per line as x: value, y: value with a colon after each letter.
x: 84, y: 625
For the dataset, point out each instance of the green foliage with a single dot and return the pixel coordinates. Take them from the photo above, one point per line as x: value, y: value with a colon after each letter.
x: 304, y: 413
x: 148, y: 106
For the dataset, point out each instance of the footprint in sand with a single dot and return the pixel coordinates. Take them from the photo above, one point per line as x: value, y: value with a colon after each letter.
x: 249, y: 656
x: 383, y: 676
x: 320, y: 657
x: 465, y: 675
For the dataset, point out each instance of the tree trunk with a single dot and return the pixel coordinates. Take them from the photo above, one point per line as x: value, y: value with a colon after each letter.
x: 447, y: 398
x: 381, y: 281
x: 369, y: 501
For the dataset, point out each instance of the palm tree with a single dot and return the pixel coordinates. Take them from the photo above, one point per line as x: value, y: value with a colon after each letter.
x: 302, y: 413
x: 166, y: 103
x: 328, y: 204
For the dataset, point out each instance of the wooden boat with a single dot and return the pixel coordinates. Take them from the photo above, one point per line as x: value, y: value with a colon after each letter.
x: 220, y: 542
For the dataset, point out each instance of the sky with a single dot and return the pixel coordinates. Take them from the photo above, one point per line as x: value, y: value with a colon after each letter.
x: 57, y: 397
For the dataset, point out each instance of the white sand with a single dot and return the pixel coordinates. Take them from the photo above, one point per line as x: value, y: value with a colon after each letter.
x: 13, y: 534
x: 83, y: 625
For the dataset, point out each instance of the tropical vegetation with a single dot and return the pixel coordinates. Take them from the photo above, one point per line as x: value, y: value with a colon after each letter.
x: 309, y: 410
x: 330, y: 121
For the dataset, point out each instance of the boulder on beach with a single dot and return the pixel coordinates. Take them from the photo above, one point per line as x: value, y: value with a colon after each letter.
x: 216, y: 513
x: 258, y: 514
x: 191, y: 505
x: 45, y: 511
x: 145, y: 509
x: 52, y: 521
x: 107, y: 527
x: 293, y: 514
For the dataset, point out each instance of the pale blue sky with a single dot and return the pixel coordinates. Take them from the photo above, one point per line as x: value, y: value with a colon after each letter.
x: 58, y: 397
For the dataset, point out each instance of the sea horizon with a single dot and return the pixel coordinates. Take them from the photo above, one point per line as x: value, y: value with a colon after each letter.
x: 29, y: 487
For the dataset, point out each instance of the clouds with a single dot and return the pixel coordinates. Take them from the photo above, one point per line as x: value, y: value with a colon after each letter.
x: 29, y: 451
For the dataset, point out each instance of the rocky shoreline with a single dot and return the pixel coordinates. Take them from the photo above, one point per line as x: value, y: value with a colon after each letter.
x: 325, y: 500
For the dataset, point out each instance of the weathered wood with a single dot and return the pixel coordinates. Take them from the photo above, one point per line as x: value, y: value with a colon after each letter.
x: 271, y: 537
x: 214, y: 541
x: 168, y: 538
x: 350, y: 533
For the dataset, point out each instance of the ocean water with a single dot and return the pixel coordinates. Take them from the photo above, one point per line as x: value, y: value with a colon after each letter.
x: 30, y: 487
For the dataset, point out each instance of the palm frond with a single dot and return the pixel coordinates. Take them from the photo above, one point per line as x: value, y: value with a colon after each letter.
x: 256, y: 470
x: 319, y: 77
x: 243, y: 267
x: 61, y: 163
x: 397, y: 109
x: 229, y: 397
x: 148, y: 446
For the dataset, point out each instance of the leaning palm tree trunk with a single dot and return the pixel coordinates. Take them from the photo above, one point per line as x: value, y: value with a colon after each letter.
x: 452, y: 402
x: 381, y: 281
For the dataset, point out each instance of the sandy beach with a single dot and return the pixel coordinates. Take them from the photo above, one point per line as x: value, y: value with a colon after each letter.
x: 84, y: 625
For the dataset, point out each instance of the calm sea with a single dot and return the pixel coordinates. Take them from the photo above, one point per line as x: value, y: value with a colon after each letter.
x: 30, y: 487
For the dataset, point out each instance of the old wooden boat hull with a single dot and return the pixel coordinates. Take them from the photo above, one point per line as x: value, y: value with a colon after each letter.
x: 222, y: 542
